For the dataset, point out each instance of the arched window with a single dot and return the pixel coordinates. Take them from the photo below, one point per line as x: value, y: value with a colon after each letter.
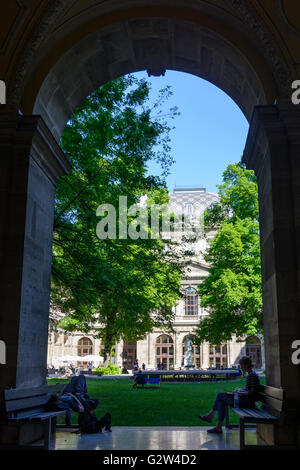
x: 189, y: 209
x: 84, y: 347
x: 191, y: 301
x: 196, y: 353
x: 253, y: 350
x: 164, y: 352
x: 218, y: 356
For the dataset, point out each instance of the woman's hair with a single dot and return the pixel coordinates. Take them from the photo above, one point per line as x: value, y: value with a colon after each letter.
x: 245, y: 360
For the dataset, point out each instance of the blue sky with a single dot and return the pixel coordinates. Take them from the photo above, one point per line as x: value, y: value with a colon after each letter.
x: 210, y: 133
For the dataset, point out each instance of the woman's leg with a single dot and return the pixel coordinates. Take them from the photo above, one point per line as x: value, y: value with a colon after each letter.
x: 214, y: 409
x: 222, y: 400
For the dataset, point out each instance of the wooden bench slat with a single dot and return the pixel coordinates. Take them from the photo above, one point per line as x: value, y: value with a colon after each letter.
x: 252, y: 412
x: 259, y: 414
x: 26, y: 403
x: 30, y: 412
x: 272, y: 402
x: 267, y: 415
x: 15, y: 394
x: 239, y: 412
x: 278, y: 393
x: 37, y: 416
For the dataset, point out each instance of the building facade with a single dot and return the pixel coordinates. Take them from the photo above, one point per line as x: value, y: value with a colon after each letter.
x: 160, y: 347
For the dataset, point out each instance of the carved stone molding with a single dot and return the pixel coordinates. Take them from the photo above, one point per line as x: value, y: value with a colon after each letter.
x: 14, y: 28
x: 268, y: 46
x: 252, y: 25
x: 16, y: 84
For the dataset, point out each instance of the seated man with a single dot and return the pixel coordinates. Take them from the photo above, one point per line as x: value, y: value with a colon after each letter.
x: 77, y: 388
x: 74, y: 397
x: 66, y: 402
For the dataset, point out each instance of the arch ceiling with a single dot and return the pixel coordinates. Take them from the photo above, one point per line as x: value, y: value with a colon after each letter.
x: 53, y: 53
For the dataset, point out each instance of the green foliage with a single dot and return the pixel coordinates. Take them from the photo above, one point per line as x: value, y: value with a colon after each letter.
x: 110, y: 369
x: 232, y: 290
x: 110, y: 139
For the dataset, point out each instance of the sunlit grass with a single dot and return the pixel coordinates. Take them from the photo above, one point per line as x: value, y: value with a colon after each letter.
x: 173, y: 404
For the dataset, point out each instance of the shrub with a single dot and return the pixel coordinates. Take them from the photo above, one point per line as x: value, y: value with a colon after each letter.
x: 111, y: 369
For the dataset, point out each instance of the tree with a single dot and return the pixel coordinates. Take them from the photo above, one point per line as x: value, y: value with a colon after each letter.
x: 126, y: 286
x: 232, y: 290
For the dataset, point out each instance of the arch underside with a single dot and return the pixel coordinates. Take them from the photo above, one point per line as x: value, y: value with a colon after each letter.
x: 152, y: 44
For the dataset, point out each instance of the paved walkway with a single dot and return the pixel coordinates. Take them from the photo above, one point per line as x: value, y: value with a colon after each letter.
x: 153, y: 438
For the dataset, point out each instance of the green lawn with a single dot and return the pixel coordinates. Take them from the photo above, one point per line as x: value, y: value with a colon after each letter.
x: 173, y: 404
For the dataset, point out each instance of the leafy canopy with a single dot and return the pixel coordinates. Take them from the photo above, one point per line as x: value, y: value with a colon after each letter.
x: 111, y: 287
x: 232, y: 290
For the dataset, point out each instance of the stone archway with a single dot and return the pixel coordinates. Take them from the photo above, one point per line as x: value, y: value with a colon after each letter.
x: 154, y: 45
x: 229, y: 47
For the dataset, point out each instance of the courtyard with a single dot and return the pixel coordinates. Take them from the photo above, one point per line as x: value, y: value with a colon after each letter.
x: 172, y: 404
x: 164, y: 418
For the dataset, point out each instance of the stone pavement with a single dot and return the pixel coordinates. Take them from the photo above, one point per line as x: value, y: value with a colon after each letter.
x: 153, y: 438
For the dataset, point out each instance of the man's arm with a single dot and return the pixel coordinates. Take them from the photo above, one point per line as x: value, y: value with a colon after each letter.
x: 81, y: 408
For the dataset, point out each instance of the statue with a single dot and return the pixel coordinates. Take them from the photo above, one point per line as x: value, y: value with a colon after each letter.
x: 188, y: 352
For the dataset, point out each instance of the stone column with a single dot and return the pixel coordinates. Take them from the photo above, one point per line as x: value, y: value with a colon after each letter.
x: 142, y: 351
x: 31, y: 163
x: 273, y: 151
x: 205, y: 355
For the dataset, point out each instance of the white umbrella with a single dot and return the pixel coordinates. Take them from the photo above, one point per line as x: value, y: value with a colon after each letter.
x: 93, y: 358
x: 69, y: 358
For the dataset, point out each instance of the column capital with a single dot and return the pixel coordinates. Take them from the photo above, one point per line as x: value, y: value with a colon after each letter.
x: 277, y: 124
x: 30, y: 132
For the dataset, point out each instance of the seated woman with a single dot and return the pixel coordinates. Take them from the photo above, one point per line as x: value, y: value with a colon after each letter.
x: 246, y: 396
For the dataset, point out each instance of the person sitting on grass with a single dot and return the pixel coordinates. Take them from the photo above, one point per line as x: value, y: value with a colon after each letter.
x: 247, y: 397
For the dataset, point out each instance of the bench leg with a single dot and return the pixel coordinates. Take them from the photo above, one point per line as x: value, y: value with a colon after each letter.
x: 53, y: 426
x: 227, y: 425
x: 242, y: 434
x: 47, y: 433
